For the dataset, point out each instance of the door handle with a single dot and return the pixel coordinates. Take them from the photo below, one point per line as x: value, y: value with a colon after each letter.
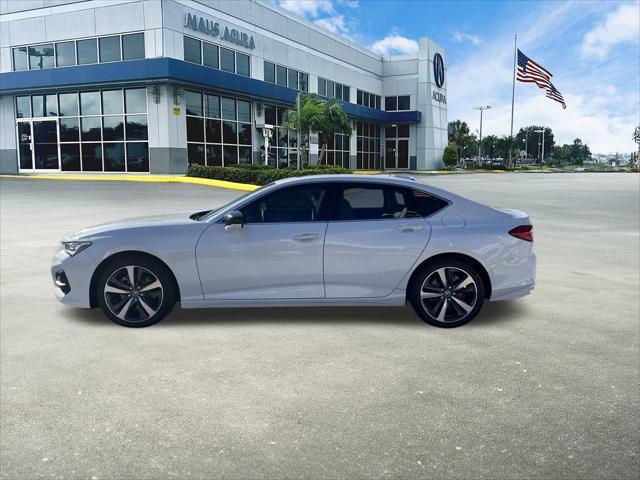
x: 306, y: 237
x: 408, y: 228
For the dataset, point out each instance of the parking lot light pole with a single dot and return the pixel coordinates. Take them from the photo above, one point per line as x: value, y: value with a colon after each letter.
x: 482, y: 109
x: 541, y: 156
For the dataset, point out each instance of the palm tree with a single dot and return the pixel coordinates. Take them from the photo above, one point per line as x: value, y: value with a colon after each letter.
x: 318, y: 115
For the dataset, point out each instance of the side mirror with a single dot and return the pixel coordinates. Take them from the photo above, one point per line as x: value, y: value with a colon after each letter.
x: 234, y: 218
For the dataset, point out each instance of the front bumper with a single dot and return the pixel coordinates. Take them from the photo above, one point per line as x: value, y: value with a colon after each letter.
x: 72, y: 277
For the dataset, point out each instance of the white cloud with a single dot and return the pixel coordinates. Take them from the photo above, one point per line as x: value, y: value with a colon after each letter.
x: 619, y: 26
x: 335, y: 24
x: 307, y: 8
x: 460, y: 37
x: 349, y: 3
x: 395, y: 44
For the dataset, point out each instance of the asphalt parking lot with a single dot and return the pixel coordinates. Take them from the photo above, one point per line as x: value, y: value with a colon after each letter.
x: 543, y: 387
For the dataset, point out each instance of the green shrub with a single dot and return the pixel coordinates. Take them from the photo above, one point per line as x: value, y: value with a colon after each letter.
x: 259, y: 176
x: 450, y: 156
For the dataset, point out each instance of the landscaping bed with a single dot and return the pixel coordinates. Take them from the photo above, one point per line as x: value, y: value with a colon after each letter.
x: 260, y: 174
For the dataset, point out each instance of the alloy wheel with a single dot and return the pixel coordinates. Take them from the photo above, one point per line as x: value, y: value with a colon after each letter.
x: 448, y: 294
x: 133, y: 293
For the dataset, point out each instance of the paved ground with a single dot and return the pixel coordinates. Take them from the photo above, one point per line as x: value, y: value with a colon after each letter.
x: 543, y: 387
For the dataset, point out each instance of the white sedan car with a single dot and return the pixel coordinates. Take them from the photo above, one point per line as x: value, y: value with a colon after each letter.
x: 378, y: 240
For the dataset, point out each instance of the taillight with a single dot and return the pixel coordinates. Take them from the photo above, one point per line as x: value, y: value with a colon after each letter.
x: 523, y: 232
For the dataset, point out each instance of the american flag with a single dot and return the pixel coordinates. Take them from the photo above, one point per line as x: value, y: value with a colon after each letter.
x: 529, y: 71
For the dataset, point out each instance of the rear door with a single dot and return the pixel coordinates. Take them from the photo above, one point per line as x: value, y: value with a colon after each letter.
x: 374, y: 237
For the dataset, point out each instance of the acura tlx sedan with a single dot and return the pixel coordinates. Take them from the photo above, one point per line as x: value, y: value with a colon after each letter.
x: 335, y: 240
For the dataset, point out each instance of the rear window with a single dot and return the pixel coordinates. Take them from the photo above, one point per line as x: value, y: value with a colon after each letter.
x: 427, y: 204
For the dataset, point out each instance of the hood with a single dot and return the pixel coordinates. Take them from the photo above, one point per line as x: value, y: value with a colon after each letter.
x: 129, y: 223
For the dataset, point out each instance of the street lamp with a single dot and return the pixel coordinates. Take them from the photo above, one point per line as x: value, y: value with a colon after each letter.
x: 541, y: 157
x: 482, y: 109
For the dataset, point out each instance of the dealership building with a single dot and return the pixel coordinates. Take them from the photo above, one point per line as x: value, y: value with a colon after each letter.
x: 156, y: 86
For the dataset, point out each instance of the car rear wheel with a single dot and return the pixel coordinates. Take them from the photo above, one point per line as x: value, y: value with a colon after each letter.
x: 447, y: 293
x: 136, y: 291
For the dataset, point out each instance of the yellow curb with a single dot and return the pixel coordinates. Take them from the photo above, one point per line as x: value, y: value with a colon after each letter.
x: 144, y: 178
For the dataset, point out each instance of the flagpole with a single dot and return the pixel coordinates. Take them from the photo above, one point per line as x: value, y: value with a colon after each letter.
x: 513, y: 94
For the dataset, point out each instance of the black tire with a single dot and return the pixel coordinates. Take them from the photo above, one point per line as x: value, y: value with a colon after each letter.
x: 457, y: 300
x: 139, y: 302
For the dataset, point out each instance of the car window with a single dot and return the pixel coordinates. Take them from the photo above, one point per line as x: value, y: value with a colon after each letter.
x: 427, y: 204
x: 375, y: 202
x: 303, y: 203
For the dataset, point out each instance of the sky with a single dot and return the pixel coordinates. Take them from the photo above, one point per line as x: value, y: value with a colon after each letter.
x: 591, y: 48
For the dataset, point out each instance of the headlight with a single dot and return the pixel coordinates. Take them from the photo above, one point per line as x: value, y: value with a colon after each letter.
x: 73, y: 248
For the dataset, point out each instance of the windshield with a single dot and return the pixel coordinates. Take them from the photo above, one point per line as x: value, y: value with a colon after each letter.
x: 208, y: 215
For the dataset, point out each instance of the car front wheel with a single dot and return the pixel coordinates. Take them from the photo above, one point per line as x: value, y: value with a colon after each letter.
x: 447, y: 293
x: 136, y: 291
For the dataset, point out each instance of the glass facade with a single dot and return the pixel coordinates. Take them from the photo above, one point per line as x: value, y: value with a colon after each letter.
x: 283, y: 148
x: 328, y: 88
x: 98, y: 130
x: 113, y: 48
x: 401, y: 102
x: 218, y: 129
x: 368, y: 146
x: 367, y: 99
x: 337, y: 150
x: 287, y: 77
x: 214, y: 56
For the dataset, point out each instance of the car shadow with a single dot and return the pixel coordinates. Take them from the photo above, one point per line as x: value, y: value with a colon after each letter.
x: 492, y: 313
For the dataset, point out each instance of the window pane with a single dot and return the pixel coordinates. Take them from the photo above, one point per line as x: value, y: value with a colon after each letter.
x: 244, y: 155
x: 281, y: 75
x: 270, y: 115
x: 20, y: 59
x: 112, y: 102
x: 90, y: 103
x: 210, y: 55
x: 227, y: 62
x: 109, y: 49
x: 68, y: 104
x: 403, y: 130
x: 228, y: 108
x: 213, y: 131
x: 192, y: 50
x: 195, y: 129
x: 212, y: 106
x: 378, y: 102
x: 114, y: 157
x: 230, y: 155
x: 113, y: 128
x: 195, y: 154
x: 69, y: 130
x: 293, y: 79
x: 244, y: 111
x: 244, y: 133
x: 390, y: 132
x: 391, y: 103
x: 138, y: 157
x: 37, y: 106
x: 304, y: 82
x: 403, y: 102
x: 427, y: 204
x: 87, y: 51
x: 331, y: 93
x: 214, y: 155
x: 269, y: 72
x: 293, y: 204
x: 359, y: 97
x: 91, y: 157
x: 51, y: 105
x: 242, y: 61
x: 66, y: 54
x: 90, y: 129
x: 136, y: 100
x: 338, y: 89
x: 41, y: 56
x: 23, y: 107
x: 346, y: 93
x: 193, y: 101
x: 137, y: 127
x: 70, y: 157
x: 133, y: 46
x: 229, y: 132
x: 322, y: 87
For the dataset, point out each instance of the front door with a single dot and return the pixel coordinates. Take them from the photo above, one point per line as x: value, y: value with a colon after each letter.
x: 376, y: 236
x: 38, y: 145
x: 276, y: 254
x: 390, y: 154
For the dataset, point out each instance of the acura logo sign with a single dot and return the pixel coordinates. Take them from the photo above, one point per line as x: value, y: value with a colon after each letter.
x: 438, y: 70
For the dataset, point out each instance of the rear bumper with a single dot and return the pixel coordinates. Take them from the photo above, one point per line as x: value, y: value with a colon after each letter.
x: 514, y: 279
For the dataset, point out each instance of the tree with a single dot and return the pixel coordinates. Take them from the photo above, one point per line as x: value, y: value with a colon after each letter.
x: 317, y: 115
x: 579, y: 152
x: 636, y: 136
x: 466, y: 143
x: 489, y: 146
x: 527, y: 138
x: 450, y: 156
